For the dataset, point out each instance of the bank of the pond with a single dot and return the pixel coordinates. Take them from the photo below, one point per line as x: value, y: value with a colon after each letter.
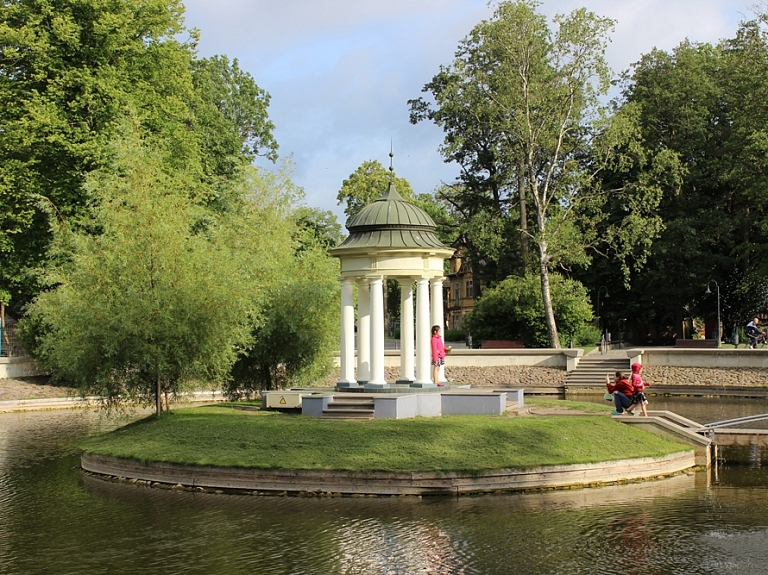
x: 216, y: 447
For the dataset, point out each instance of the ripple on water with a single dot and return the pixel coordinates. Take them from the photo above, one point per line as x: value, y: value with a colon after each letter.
x: 55, y: 520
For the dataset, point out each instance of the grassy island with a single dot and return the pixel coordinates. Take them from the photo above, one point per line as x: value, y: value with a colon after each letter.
x: 225, y: 436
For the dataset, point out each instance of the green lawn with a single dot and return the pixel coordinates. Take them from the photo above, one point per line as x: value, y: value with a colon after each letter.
x: 223, y: 436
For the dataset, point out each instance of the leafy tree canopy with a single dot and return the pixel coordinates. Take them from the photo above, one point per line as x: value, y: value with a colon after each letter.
x: 367, y: 184
x: 70, y: 72
x: 522, y: 114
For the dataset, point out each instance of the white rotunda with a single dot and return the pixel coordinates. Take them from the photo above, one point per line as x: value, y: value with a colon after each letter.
x: 390, y: 239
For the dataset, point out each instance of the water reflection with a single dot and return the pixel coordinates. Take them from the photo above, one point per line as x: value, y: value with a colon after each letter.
x: 55, y: 520
x: 700, y: 409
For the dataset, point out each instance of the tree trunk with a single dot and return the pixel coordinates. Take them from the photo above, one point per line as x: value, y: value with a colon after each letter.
x: 523, y: 215
x: 158, y: 398
x: 549, y: 314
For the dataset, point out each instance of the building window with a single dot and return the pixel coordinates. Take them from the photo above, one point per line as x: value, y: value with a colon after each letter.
x: 468, y: 286
x: 457, y: 294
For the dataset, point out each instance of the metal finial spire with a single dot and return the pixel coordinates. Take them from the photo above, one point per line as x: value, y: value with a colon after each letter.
x: 391, y: 156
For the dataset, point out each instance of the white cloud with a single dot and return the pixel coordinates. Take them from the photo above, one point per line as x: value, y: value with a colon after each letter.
x: 341, y: 71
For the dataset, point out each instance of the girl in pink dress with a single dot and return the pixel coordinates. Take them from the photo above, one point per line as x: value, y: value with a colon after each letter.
x: 438, y: 354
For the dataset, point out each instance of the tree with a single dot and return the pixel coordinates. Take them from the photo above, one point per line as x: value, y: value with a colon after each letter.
x: 367, y: 184
x: 317, y: 228
x: 513, y: 310
x: 519, y: 106
x: 231, y: 116
x: 154, y: 297
x: 70, y: 72
x: 293, y: 342
x: 67, y: 69
x: 702, y: 104
x: 294, y: 336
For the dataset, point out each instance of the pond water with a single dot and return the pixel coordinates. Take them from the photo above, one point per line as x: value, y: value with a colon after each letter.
x: 55, y: 520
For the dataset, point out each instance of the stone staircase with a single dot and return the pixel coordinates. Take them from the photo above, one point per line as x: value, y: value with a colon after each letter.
x: 593, y: 368
x: 349, y: 408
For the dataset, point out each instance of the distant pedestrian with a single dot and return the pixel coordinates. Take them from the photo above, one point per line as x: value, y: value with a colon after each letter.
x: 753, y: 332
x: 638, y: 389
x: 622, y: 392
x: 438, y: 355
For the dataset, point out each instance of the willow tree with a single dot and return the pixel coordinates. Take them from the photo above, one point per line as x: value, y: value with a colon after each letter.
x: 527, y: 99
x: 148, y: 295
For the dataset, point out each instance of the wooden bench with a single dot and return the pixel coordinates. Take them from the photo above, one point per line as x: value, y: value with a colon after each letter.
x: 501, y: 344
x: 696, y: 343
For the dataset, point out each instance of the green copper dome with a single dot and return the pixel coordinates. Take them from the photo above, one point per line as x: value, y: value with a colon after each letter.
x: 391, y: 222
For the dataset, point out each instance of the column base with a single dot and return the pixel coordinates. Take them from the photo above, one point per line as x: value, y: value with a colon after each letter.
x: 370, y: 385
x: 347, y: 384
x: 404, y: 382
x: 423, y: 385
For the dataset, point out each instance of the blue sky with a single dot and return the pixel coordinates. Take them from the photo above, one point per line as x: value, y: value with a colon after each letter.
x: 340, y: 72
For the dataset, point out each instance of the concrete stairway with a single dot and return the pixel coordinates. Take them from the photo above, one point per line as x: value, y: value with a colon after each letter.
x: 593, y: 368
x: 349, y: 408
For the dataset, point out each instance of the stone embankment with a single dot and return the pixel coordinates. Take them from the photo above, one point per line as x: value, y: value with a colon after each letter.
x: 488, y: 376
x: 711, y: 377
x: 530, y: 376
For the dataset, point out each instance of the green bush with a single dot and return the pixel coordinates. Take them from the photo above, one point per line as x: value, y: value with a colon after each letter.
x: 455, y: 335
x: 513, y: 310
x: 588, y: 335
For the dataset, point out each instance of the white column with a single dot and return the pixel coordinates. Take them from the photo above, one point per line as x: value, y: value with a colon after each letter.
x: 377, y: 334
x: 406, y: 330
x: 347, y: 350
x: 423, y: 348
x: 363, y: 331
x: 437, y: 316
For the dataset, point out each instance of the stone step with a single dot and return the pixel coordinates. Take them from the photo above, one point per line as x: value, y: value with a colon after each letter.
x: 598, y: 362
x: 592, y: 370
x: 348, y: 414
x: 351, y: 404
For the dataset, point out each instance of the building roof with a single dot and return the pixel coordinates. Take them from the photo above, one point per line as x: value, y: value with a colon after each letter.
x: 391, y: 222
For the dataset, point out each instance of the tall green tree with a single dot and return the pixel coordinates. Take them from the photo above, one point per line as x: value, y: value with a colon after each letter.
x: 367, y: 184
x: 158, y: 298
x: 705, y: 105
x: 533, y: 99
x: 230, y: 115
x: 317, y: 228
x: 70, y: 72
x: 67, y: 69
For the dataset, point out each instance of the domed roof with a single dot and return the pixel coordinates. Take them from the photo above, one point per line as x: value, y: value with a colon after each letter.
x: 391, y: 222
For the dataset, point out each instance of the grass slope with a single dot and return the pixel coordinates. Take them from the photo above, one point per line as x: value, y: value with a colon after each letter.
x: 222, y: 436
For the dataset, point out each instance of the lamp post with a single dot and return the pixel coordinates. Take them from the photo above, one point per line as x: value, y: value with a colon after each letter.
x: 709, y: 291
x: 599, y: 319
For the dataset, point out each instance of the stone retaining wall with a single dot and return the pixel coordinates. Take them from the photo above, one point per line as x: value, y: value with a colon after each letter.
x: 487, y: 376
x: 531, y: 376
x: 706, y: 376
x: 319, y: 482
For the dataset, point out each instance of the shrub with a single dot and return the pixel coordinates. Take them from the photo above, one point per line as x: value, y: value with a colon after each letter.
x: 513, y: 310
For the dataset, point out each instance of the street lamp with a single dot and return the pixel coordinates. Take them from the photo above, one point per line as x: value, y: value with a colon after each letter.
x: 709, y: 291
x: 599, y: 320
